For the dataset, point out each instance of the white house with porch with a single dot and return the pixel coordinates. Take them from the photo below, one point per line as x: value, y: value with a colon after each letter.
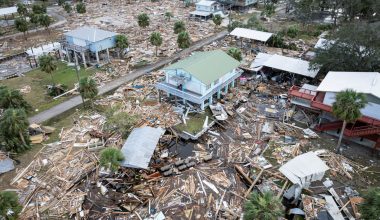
x: 88, y: 44
x: 201, y: 77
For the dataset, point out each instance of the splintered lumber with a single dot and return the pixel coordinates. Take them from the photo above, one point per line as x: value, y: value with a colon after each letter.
x: 340, y: 202
x: 254, y: 183
x: 241, y: 172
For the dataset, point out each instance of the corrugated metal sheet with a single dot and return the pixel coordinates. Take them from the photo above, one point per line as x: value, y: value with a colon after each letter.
x: 251, y: 34
x: 291, y: 65
x: 364, y: 82
x: 6, y: 165
x: 139, y: 147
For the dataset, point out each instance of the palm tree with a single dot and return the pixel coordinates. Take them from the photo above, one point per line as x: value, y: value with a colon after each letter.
x: 88, y: 89
x: 217, y: 19
x: 14, y: 130
x: 369, y: 209
x: 235, y: 53
x: 183, y: 40
x: 179, y: 26
x: 347, y: 107
x: 21, y: 25
x: 22, y: 9
x: 263, y: 207
x: 10, y: 98
x: 156, y: 40
x: 168, y: 15
x: 9, y: 202
x: 121, y: 44
x: 81, y: 8
x: 45, y: 20
x: 111, y: 158
x: 47, y: 65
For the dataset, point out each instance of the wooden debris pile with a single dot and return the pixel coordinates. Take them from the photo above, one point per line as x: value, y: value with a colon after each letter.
x: 48, y: 182
x: 141, y: 98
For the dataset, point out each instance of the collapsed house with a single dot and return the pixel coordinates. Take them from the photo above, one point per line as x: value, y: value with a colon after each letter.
x: 366, y: 130
x: 88, y: 45
x: 200, y: 77
x: 281, y: 68
x: 302, y: 171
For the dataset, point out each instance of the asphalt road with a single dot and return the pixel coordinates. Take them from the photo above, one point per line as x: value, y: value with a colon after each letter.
x: 76, y: 101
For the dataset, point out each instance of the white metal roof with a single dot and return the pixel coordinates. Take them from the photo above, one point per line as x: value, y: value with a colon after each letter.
x: 259, y: 61
x: 300, y: 168
x: 139, y: 147
x: 364, y: 82
x: 90, y: 34
x: 251, y: 34
x: 292, y: 65
x: 205, y: 3
x: 7, y: 11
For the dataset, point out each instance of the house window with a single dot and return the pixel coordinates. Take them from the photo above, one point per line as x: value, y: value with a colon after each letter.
x: 208, y: 86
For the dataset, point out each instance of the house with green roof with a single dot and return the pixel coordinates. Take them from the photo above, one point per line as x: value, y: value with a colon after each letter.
x: 201, y: 77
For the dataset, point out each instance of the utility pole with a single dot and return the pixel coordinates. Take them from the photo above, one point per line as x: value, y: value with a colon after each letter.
x: 76, y: 70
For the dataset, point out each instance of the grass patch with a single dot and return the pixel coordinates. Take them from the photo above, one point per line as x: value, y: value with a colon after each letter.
x: 195, y: 122
x: 38, y: 81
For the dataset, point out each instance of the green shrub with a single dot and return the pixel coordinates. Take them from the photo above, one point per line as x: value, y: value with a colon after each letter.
x: 293, y: 31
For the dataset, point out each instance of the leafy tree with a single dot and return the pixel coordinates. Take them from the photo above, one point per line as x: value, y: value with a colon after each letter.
x: 22, y: 25
x: 369, y: 209
x: 269, y: 10
x: 263, y: 207
x: 111, y: 158
x: 45, y: 20
x: 47, y: 65
x: 39, y: 9
x: 354, y: 47
x: 217, y: 19
x: 88, y: 89
x: 303, y: 9
x: 179, y: 26
x: 156, y: 40
x: 235, y: 53
x: 235, y: 24
x: 22, y: 9
x: 81, y: 8
x: 253, y: 22
x: 10, y: 208
x: 10, y: 98
x: 121, y: 43
x: 119, y: 121
x: 168, y: 15
x: 34, y: 19
x: 61, y: 2
x: 347, y: 107
x: 67, y: 8
x: 183, y: 40
x: 143, y: 20
x: 14, y: 134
